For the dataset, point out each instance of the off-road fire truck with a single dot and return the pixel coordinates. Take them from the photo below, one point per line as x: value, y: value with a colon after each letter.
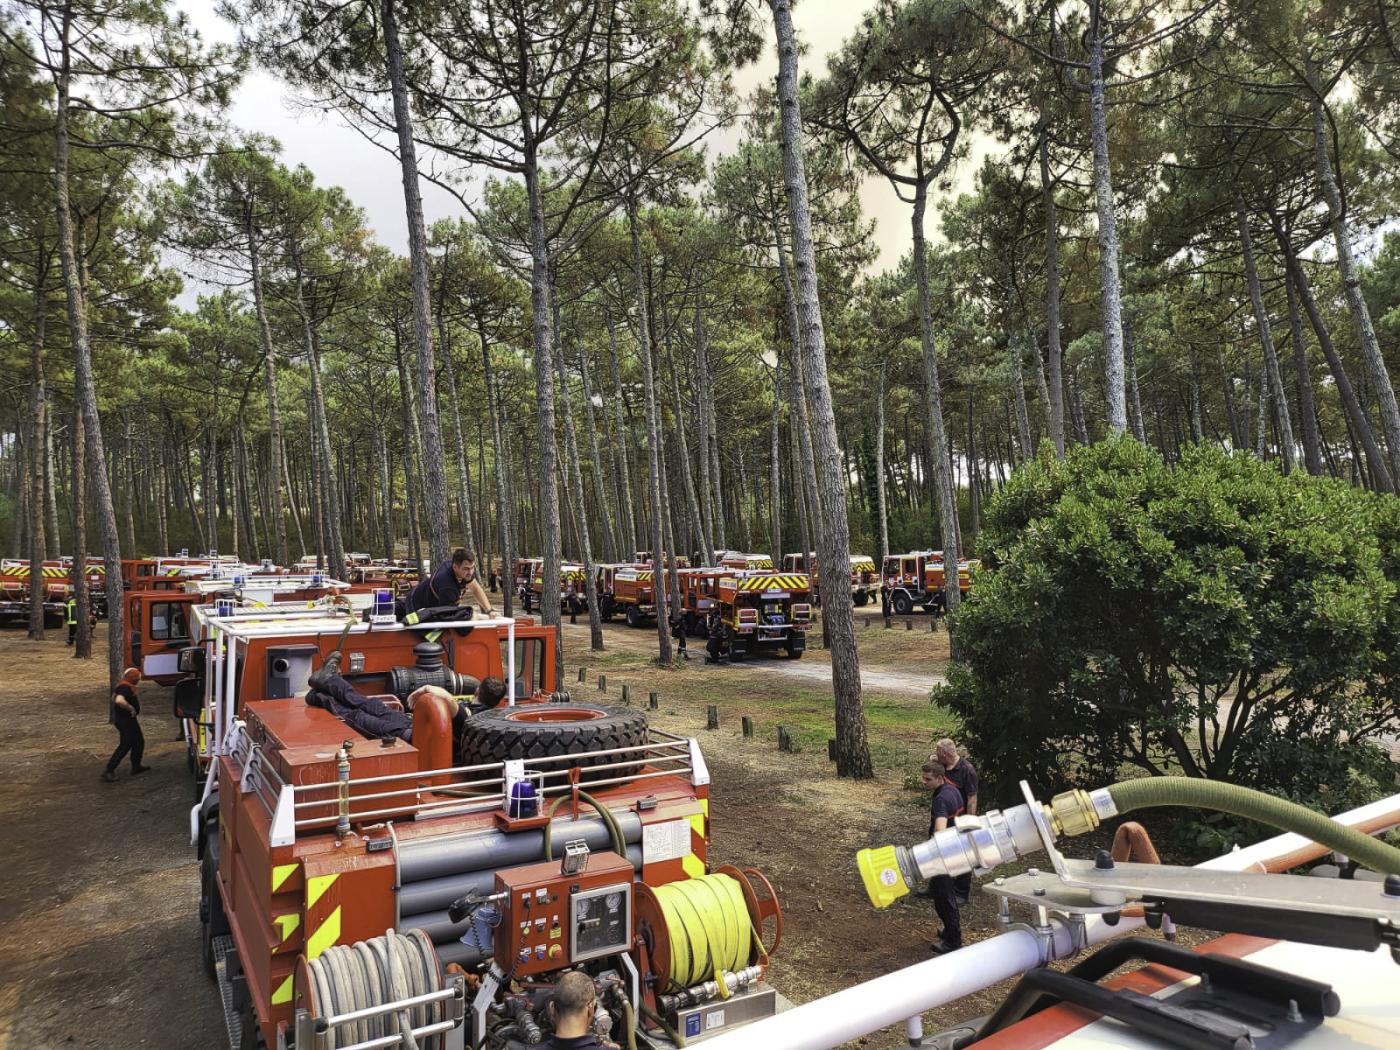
x: 529, y: 584
x: 680, y: 561
x: 918, y: 578
x: 740, y: 560
x: 630, y: 590
x: 55, y: 584
x: 865, y: 580
x: 698, y: 589
x: 761, y: 609
x: 355, y: 890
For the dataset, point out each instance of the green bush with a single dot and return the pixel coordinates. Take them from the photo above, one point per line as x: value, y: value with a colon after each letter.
x: 1212, y: 618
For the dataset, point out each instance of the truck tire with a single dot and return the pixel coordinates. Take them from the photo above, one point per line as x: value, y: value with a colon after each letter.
x: 903, y: 604
x: 549, y: 730
x: 212, y: 920
x: 634, y: 616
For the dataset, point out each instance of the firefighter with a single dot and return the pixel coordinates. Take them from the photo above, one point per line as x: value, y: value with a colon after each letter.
x: 445, y: 586
x: 125, y: 708
x: 947, y: 805
x: 571, y: 1008
x: 678, y: 633
x: 715, y: 627
x: 70, y: 611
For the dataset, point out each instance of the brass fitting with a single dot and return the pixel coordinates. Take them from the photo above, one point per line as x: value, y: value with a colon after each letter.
x: 1072, y: 813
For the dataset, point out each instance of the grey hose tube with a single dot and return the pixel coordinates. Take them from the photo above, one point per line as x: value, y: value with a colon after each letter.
x: 1147, y: 792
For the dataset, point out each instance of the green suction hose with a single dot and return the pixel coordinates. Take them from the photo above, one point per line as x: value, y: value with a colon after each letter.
x: 1148, y: 792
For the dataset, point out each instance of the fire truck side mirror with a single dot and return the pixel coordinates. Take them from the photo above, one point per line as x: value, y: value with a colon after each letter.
x: 191, y: 660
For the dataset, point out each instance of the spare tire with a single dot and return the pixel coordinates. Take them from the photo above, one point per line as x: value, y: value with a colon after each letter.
x: 531, y: 731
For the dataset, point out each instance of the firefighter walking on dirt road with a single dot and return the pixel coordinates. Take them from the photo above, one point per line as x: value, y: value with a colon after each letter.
x: 126, y: 707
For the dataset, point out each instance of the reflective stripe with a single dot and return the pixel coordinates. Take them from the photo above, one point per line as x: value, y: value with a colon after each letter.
x: 327, y: 934
x: 280, y: 874
x: 284, y: 992
x: 316, y: 887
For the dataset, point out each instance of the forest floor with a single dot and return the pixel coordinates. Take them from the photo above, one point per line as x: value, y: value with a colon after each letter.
x: 98, y: 923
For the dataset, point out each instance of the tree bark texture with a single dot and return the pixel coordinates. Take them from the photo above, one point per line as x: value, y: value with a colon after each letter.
x: 1052, y: 300
x: 434, y: 457
x: 1266, y: 337
x: 1114, y: 392
x: 852, y: 746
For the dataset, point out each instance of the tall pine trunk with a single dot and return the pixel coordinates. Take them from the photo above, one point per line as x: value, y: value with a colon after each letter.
x: 85, y: 390
x: 852, y: 745
x: 1312, y: 442
x: 1351, y: 282
x: 276, y: 466
x: 1261, y: 319
x: 434, y: 458
x: 622, y: 471
x: 1052, y: 298
x: 658, y: 546
x: 1112, y: 296
x: 580, y: 502
x: 330, y: 484
x: 38, y: 453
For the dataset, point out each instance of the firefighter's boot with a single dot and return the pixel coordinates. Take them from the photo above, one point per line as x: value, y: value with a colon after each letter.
x: 331, y: 667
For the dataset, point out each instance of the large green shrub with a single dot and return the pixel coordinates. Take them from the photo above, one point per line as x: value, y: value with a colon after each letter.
x: 1212, y: 618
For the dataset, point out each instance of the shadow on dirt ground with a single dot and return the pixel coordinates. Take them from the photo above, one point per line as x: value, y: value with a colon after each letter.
x: 98, y: 917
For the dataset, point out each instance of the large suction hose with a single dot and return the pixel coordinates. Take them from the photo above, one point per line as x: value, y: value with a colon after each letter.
x: 999, y: 837
x: 1148, y: 792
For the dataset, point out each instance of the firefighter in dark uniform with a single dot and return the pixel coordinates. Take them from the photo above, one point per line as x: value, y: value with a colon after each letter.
x: 445, y: 586
x: 715, y: 645
x: 947, y: 804
x: 71, y: 613
x: 126, y: 707
x: 571, y: 1009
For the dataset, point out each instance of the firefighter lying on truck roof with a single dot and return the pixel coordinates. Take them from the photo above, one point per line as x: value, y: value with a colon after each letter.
x: 375, y: 719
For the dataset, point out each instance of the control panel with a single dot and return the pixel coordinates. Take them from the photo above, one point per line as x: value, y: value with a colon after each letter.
x: 551, y: 920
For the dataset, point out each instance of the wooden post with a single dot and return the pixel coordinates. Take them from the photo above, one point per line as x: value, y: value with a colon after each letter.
x: 602, y: 683
x: 652, y: 702
x: 784, y: 740
x: 887, y: 623
x: 712, y: 717
x: 831, y: 749
x: 933, y: 625
x: 908, y: 625
x: 626, y: 693
x: 583, y: 674
x: 747, y: 723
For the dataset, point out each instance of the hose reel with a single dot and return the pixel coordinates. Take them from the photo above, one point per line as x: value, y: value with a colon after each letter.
x: 367, y: 974
x: 697, y: 930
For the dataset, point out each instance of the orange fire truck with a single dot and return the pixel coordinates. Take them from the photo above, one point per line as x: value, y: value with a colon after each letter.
x: 629, y: 589
x: 865, y: 580
x: 740, y: 560
x: 918, y: 578
x: 355, y: 890
x: 762, y: 609
x: 54, y: 584
x: 699, y: 588
x: 529, y: 584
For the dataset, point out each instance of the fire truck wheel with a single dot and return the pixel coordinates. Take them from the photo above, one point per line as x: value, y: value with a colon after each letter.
x: 903, y: 604
x: 548, y: 730
x: 212, y: 920
x: 252, y: 1035
x: 634, y: 617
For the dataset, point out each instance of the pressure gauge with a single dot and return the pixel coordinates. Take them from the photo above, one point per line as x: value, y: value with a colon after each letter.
x: 613, y: 901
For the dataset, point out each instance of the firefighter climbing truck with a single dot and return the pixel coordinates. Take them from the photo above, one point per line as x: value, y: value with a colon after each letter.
x: 630, y: 590
x: 865, y: 580
x: 919, y: 578
x: 761, y: 609
x: 354, y: 891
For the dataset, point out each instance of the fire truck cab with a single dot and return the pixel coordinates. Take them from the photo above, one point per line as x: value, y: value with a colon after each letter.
x: 699, y: 596
x: 865, y: 581
x: 762, y: 609
x: 629, y: 589
x: 918, y: 578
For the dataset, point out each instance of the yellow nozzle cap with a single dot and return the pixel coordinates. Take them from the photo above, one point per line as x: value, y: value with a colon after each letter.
x: 879, y: 870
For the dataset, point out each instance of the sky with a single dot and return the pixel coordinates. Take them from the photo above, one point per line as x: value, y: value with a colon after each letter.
x: 339, y: 155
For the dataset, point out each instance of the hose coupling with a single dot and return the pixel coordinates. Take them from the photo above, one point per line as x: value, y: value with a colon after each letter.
x: 1072, y: 813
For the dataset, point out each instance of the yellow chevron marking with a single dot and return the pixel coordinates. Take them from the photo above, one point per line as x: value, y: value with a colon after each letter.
x: 326, y: 935
x: 316, y: 887
x: 287, y: 923
x: 693, y: 866
x: 283, y: 994
x: 280, y: 874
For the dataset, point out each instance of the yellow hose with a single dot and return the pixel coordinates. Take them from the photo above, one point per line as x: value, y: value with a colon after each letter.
x: 1144, y: 793
x: 709, y: 929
